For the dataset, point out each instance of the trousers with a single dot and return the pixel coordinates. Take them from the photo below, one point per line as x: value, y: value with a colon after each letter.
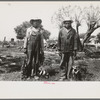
x: 33, y: 53
x: 67, y: 61
x: 32, y: 63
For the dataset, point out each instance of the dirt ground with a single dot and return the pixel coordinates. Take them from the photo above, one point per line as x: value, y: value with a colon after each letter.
x: 11, y: 60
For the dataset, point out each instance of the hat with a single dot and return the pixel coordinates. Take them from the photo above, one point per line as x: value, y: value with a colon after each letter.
x: 31, y: 21
x: 36, y: 20
x: 67, y: 19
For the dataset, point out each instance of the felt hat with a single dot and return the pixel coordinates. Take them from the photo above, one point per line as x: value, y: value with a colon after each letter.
x: 67, y: 19
x: 39, y: 21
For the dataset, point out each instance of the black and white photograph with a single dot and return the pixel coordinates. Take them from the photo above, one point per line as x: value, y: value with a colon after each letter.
x: 49, y: 49
x: 50, y: 41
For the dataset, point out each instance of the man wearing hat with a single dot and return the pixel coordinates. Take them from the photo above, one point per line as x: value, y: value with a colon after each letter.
x: 67, y: 44
x: 33, y: 46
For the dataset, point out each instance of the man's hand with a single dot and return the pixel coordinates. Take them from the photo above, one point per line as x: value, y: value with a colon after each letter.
x: 74, y: 53
x: 41, y: 51
x: 25, y: 50
x: 59, y: 52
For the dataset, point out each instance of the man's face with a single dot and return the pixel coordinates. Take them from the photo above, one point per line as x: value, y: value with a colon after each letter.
x: 34, y: 24
x: 67, y: 25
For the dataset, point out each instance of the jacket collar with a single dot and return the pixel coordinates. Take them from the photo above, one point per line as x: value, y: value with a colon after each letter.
x: 34, y: 29
x: 67, y: 30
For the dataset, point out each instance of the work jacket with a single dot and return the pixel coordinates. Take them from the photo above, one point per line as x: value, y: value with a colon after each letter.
x: 67, y: 40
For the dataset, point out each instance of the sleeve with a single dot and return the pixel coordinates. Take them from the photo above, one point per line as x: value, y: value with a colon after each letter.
x: 42, y: 42
x: 59, y: 40
x: 26, y: 39
x: 75, y: 40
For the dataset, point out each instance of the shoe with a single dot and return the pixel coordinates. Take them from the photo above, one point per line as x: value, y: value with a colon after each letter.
x: 23, y: 77
x: 36, y: 77
x: 29, y: 77
x: 62, y: 78
x: 67, y: 78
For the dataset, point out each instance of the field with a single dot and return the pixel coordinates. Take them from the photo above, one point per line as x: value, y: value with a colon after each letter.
x: 11, y: 60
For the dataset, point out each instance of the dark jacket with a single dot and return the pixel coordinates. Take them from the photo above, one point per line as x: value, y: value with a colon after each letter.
x: 67, y: 40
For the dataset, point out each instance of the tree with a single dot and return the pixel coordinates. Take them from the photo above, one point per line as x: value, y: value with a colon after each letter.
x: 46, y: 33
x: 77, y: 16
x: 60, y: 15
x: 82, y: 35
x: 92, y: 18
x: 98, y: 37
x: 91, y: 14
x: 21, y: 30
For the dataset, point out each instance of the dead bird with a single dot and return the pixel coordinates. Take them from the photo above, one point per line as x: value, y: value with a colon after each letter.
x: 79, y: 70
x: 47, y: 71
x: 43, y: 72
x: 76, y: 73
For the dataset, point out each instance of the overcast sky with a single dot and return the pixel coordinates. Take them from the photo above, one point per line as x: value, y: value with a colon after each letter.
x: 14, y: 13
